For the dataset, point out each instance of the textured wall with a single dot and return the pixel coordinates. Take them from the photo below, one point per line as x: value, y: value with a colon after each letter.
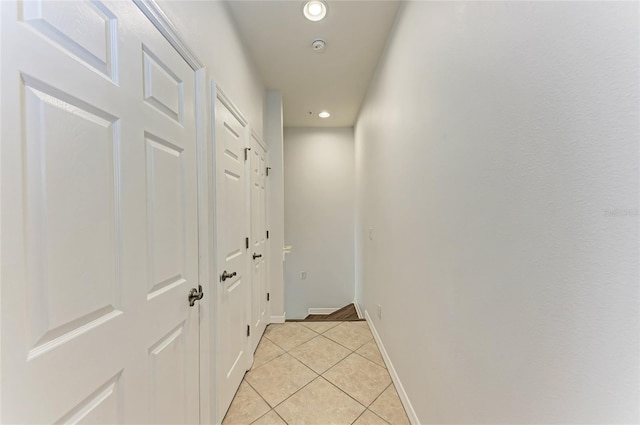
x: 497, y: 164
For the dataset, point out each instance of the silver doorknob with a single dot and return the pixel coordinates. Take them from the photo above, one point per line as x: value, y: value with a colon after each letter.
x: 224, y: 276
x: 195, y: 295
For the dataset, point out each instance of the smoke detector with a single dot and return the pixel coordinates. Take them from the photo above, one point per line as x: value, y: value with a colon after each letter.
x: 318, y: 45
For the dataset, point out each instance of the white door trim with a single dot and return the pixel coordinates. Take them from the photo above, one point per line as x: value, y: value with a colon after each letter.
x: 220, y: 94
x: 158, y: 18
x: 259, y: 140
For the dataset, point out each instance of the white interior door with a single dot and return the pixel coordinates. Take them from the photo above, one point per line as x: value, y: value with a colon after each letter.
x: 232, y: 229
x: 99, y: 218
x: 258, y: 242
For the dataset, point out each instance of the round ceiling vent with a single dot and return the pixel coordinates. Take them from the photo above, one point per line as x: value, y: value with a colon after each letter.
x: 318, y: 45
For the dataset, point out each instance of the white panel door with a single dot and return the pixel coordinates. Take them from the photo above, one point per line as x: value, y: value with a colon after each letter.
x: 232, y: 230
x: 258, y: 242
x: 99, y: 219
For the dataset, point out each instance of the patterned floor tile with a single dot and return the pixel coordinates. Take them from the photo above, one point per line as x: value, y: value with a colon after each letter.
x: 279, y: 378
x: 320, y: 403
x: 246, y: 407
x: 289, y: 335
x: 266, y: 352
x: 320, y: 353
x: 320, y: 327
x: 370, y: 418
x: 360, y: 378
x: 349, y: 335
x: 270, y: 418
x: 389, y: 407
x: 370, y: 351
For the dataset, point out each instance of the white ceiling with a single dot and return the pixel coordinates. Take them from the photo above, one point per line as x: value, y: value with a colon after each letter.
x: 279, y: 38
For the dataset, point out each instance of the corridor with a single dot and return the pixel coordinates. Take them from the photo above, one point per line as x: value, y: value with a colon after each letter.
x: 317, y: 373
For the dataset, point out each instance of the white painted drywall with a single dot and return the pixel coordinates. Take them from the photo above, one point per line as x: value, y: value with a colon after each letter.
x: 497, y: 158
x: 319, y: 188
x: 209, y: 30
x: 275, y: 202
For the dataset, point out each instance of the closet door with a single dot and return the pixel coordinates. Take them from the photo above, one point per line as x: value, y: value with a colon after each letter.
x: 232, y: 230
x: 99, y: 218
x: 258, y: 242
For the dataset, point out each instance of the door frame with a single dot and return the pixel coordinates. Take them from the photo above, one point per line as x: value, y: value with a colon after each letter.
x: 267, y: 252
x: 161, y: 21
x: 216, y: 93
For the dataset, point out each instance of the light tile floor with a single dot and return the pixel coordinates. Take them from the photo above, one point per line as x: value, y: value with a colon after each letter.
x: 324, y: 373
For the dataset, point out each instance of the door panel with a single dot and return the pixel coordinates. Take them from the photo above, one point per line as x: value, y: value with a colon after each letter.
x: 70, y: 223
x: 99, y: 209
x: 168, y: 384
x: 232, y: 229
x: 258, y: 242
x: 86, y: 30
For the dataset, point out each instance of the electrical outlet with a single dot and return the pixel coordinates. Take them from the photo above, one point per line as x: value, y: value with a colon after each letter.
x: 370, y: 233
x: 303, y: 275
x: 379, y: 311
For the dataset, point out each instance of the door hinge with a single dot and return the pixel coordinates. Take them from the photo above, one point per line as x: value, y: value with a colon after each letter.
x: 267, y: 234
x: 268, y: 297
x: 246, y: 243
x: 246, y: 153
x: 268, y: 168
x: 248, y: 330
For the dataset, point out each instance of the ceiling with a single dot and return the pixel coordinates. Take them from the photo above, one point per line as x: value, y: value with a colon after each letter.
x: 279, y: 39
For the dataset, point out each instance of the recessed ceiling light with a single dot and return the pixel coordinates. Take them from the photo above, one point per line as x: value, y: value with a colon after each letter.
x: 324, y: 114
x: 315, y: 10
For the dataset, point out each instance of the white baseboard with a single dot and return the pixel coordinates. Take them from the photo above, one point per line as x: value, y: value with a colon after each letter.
x: 411, y: 413
x: 322, y: 310
x: 355, y: 303
x: 278, y: 319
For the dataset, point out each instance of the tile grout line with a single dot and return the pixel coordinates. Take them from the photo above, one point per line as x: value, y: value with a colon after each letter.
x: 308, y: 383
x: 365, y: 406
x: 296, y: 359
x: 258, y: 367
x: 259, y: 395
x: 322, y: 334
x: 274, y: 411
x: 376, y: 399
x: 319, y: 375
x: 345, y: 393
x: 373, y: 413
x: 296, y: 392
x: 274, y: 407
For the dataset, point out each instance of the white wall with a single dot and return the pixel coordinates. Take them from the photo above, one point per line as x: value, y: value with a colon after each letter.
x: 319, y: 218
x: 497, y: 161
x: 209, y: 30
x: 275, y: 203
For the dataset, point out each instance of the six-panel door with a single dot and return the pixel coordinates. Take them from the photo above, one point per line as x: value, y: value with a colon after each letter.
x: 259, y: 242
x: 99, y: 218
x: 232, y: 228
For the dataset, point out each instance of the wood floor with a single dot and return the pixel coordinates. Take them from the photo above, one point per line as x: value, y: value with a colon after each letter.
x: 347, y: 313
